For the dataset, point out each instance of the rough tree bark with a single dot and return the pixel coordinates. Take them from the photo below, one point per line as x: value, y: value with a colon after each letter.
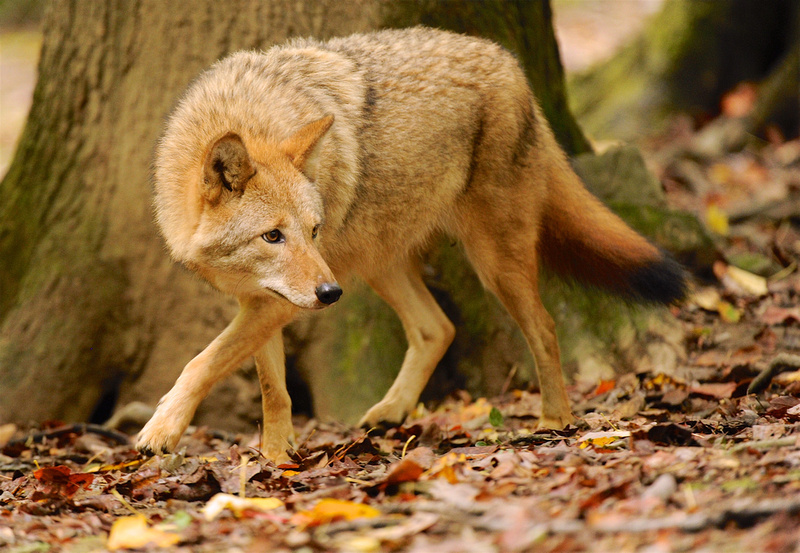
x: 92, y: 309
x: 90, y: 302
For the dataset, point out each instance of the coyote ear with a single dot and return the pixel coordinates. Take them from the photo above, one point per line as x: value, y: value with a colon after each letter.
x: 227, y: 168
x: 300, y: 146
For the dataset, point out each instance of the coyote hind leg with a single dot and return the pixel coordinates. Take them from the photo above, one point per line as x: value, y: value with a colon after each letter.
x: 428, y: 331
x: 507, y: 265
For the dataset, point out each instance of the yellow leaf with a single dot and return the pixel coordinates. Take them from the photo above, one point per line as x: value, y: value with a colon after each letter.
x: 117, y: 466
x: 706, y: 298
x: 329, y: 510
x: 717, y: 220
x: 360, y: 544
x: 133, y: 533
x: 602, y: 439
x: 238, y: 505
x: 445, y: 467
x: 728, y: 312
x: 784, y: 379
x: 751, y: 283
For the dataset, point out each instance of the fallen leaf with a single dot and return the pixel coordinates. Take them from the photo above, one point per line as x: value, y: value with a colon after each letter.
x: 707, y: 298
x: 61, y: 481
x: 779, y: 406
x: 461, y: 496
x: 784, y: 379
x: 495, y: 417
x: 720, y: 173
x: 617, y: 490
x: 604, y: 386
x: 445, y: 467
x: 415, y: 524
x: 474, y: 452
x: 717, y: 390
x: 238, y: 505
x: 330, y: 510
x: 410, y: 467
x: 739, y: 281
x: 750, y: 282
x: 662, y: 380
x: 728, y: 312
x: 717, y: 220
x: 133, y: 533
x: 775, y: 315
x: 602, y: 439
x: 116, y: 466
x: 794, y: 411
x: 674, y: 397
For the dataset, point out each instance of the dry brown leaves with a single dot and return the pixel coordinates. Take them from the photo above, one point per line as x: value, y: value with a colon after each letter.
x: 699, y: 464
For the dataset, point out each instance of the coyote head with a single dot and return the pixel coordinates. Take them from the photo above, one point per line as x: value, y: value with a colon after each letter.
x: 262, y: 219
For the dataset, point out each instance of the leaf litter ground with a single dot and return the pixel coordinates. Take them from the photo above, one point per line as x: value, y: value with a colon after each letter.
x: 656, y: 463
x: 703, y: 459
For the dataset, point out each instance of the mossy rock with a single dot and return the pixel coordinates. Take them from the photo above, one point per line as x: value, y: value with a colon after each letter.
x: 620, y: 178
x: 619, y: 175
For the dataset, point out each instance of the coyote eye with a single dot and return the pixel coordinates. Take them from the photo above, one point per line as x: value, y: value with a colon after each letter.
x: 315, y: 231
x: 273, y: 237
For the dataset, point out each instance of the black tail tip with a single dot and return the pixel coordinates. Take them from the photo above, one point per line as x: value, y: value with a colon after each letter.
x: 663, y: 281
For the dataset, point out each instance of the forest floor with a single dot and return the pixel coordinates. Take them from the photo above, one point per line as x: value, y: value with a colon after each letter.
x: 705, y: 459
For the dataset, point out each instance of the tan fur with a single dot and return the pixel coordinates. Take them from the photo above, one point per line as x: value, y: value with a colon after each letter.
x: 380, y: 141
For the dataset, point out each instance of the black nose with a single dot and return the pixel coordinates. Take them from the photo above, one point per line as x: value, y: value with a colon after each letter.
x: 328, y: 292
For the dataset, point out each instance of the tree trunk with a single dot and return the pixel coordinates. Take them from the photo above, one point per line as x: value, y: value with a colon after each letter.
x: 90, y: 303
x: 93, y: 312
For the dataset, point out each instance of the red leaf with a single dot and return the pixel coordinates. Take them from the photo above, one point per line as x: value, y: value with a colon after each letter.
x: 780, y: 405
x: 775, y: 315
x: 604, y: 386
x: 60, y: 480
x: 410, y: 467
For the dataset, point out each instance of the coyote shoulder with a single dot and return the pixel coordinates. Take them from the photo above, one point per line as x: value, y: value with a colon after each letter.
x: 282, y: 173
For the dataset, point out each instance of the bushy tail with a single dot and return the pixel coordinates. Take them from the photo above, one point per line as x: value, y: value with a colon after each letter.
x: 584, y: 240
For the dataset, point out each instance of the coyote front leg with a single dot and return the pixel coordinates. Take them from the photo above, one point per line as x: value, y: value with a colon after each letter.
x: 277, y: 433
x: 257, y: 320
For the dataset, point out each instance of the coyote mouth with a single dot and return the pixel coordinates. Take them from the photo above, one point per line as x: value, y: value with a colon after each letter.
x: 316, y: 306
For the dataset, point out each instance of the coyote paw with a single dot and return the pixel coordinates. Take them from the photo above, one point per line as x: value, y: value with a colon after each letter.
x: 385, y: 413
x: 276, y: 453
x: 556, y: 422
x: 160, y: 435
x: 275, y: 441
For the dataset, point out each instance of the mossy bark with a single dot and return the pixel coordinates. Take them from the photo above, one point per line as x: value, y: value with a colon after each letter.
x: 689, y: 55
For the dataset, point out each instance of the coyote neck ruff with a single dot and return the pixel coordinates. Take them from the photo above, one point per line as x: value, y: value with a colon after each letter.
x: 280, y: 173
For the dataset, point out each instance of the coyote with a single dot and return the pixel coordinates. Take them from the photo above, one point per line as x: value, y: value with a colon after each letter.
x: 282, y: 173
